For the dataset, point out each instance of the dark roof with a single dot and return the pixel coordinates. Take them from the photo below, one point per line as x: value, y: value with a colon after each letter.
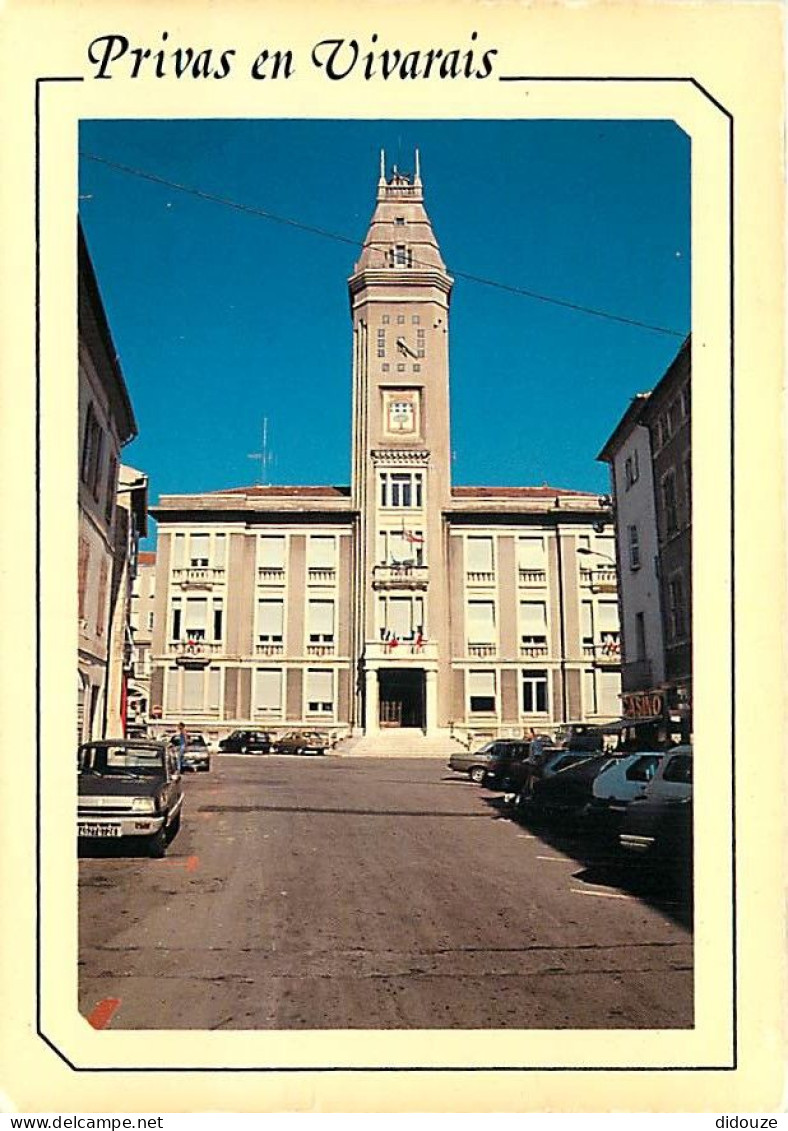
x: 543, y: 492
x: 285, y: 492
x: 147, y: 557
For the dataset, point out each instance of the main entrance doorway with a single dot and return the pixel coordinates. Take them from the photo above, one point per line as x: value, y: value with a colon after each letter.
x: 401, y: 697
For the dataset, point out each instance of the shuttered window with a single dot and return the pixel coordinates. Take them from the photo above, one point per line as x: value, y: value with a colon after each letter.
x: 320, y: 691
x: 481, y: 622
x: 531, y: 552
x: 272, y: 552
x: 268, y: 690
x: 481, y: 691
x: 533, y: 622
x: 270, y: 621
x: 479, y: 555
x: 322, y: 553
x: 321, y: 622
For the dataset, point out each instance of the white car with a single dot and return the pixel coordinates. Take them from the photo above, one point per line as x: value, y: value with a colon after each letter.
x: 660, y: 822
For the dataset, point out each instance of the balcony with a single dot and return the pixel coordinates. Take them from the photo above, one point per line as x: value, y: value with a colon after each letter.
x: 197, y: 577
x: 405, y: 650
x: 532, y: 650
x: 195, y: 651
x: 324, y: 649
x: 602, y: 580
x: 269, y: 648
x: 400, y: 576
x: 607, y: 651
x: 321, y: 575
x: 536, y: 577
x: 270, y: 575
x: 482, y: 651
x: 480, y: 577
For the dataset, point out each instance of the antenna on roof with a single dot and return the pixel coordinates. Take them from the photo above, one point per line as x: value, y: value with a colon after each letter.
x: 265, y: 457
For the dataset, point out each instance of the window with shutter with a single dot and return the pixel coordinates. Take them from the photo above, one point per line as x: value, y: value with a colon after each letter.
x: 320, y: 691
x: 481, y: 692
x: 481, y: 622
x: 321, y: 622
x: 270, y: 621
x: 533, y: 623
x: 268, y: 691
x: 196, y: 618
x: 272, y: 552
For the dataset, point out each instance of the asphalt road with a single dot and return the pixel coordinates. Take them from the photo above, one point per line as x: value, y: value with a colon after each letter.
x: 360, y: 893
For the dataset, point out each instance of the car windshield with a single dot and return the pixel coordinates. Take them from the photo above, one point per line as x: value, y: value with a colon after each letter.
x: 121, y: 761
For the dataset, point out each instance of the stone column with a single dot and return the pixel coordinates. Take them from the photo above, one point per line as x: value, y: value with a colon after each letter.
x: 371, y: 709
x: 431, y: 701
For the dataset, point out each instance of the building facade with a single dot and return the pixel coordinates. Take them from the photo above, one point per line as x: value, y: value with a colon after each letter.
x: 399, y: 600
x: 141, y: 619
x: 106, y: 423
x: 668, y: 417
x: 131, y: 524
x: 628, y: 452
x: 649, y: 453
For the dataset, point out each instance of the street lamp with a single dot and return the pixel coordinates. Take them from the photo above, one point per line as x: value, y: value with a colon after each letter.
x: 596, y: 553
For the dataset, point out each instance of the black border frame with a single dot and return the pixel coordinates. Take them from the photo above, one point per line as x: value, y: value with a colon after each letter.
x: 306, y: 1069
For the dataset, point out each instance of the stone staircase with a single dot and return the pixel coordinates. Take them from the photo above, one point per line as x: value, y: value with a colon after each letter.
x: 400, y: 742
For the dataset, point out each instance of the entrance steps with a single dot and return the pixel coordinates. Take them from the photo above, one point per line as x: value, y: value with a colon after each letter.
x: 400, y: 742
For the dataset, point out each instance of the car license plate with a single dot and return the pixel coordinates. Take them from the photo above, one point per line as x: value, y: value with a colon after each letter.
x: 87, y: 829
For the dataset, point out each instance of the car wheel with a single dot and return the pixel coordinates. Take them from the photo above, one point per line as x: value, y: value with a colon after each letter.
x: 476, y: 774
x: 157, y: 845
x: 243, y: 750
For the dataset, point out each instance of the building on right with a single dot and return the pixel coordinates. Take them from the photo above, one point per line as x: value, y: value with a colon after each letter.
x: 649, y: 454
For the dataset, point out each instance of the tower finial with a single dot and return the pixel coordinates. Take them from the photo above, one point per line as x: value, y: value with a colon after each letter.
x: 382, y: 166
x: 417, y: 174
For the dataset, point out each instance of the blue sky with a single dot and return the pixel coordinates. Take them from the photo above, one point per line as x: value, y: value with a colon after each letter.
x: 221, y: 317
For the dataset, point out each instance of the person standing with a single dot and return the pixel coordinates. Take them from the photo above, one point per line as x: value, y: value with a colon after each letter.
x: 182, y: 744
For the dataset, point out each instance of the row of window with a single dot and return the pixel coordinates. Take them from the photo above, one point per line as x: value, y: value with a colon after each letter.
x: 91, y: 468
x: 676, y: 414
x: 598, y: 622
x: 401, y: 319
x: 200, y: 690
x: 601, y: 692
x: 670, y: 499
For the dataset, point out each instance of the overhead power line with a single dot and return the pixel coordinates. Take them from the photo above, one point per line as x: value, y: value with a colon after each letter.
x: 263, y: 213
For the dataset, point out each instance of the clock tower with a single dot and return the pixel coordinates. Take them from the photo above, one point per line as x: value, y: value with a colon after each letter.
x: 399, y: 298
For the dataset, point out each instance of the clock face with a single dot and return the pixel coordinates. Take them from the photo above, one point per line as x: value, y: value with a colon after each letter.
x: 401, y: 416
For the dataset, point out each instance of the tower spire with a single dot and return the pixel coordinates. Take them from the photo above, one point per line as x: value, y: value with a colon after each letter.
x: 382, y: 178
x: 417, y: 171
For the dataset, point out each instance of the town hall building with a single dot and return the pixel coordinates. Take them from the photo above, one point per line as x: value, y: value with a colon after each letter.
x: 401, y: 600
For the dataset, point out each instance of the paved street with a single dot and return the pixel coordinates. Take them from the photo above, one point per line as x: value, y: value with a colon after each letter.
x: 360, y: 893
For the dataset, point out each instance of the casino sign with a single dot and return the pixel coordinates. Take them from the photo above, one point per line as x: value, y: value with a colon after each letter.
x: 643, y: 705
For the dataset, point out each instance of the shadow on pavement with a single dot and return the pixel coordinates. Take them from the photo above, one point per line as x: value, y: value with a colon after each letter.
x: 605, y: 864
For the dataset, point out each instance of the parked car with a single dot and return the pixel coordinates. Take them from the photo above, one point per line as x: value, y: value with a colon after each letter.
x: 659, y: 824
x: 300, y: 742
x: 543, y: 762
x: 624, y: 779
x: 476, y: 763
x: 129, y: 789
x: 198, y: 752
x: 246, y: 742
x: 507, y: 756
x: 566, y: 793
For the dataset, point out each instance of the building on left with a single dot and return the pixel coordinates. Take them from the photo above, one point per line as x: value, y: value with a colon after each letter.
x: 112, y: 510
